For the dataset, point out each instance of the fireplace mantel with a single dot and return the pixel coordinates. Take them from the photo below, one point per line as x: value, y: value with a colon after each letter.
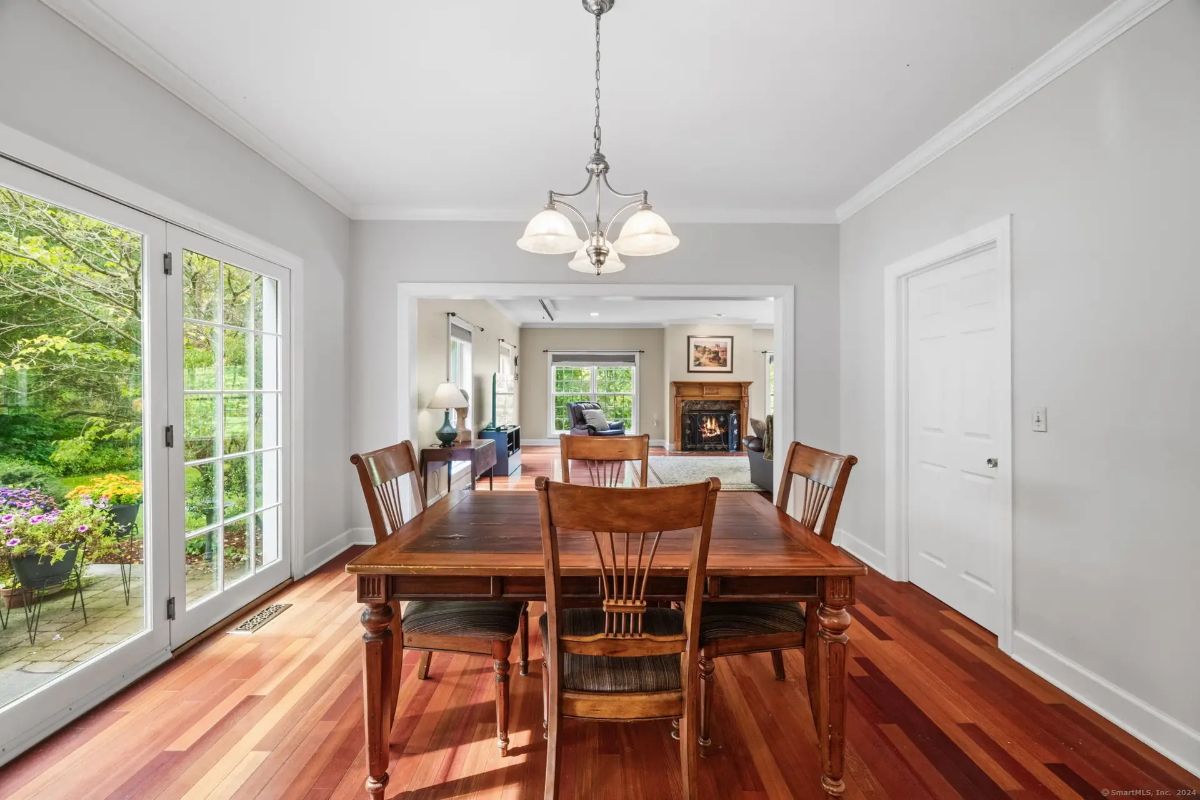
x: 735, y: 391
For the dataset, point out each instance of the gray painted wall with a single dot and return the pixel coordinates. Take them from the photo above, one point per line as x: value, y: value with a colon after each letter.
x: 1100, y: 171
x: 64, y: 88
x: 388, y: 253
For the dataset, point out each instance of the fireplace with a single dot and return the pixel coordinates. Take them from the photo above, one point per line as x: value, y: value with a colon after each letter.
x: 726, y: 402
x: 710, y: 430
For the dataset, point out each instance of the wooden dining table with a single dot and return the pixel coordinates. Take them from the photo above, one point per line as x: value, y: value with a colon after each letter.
x: 487, y: 546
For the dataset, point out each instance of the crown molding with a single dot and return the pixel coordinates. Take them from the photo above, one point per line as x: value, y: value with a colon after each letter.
x: 774, y: 216
x: 101, y: 26
x: 1087, y: 39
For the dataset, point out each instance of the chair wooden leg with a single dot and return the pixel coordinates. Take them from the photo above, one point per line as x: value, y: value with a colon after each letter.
x: 423, y: 666
x: 500, y: 665
x: 545, y: 698
x: 689, y: 746
x: 553, y: 747
x: 524, y: 661
x: 707, y: 667
x: 777, y: 663
x: 396, y: 626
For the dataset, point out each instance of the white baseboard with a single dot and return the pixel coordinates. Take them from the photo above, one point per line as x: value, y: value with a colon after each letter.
x: 314, y: 558
x: 870, y: 555
x: 1169, y: 736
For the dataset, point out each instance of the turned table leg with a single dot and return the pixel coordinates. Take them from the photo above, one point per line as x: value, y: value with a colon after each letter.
x: 377, y: 683
x: 833, y: 619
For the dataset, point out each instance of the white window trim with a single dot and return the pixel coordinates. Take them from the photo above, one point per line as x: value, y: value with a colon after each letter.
x: 769, y: 385
x: 550, y: 394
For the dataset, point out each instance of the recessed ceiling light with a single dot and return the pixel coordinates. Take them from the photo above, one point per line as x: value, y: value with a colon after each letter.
x: 594, y: 314
x: 718, y: 315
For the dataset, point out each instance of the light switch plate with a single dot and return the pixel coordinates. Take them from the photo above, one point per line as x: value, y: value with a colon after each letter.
x: 1039, y: 419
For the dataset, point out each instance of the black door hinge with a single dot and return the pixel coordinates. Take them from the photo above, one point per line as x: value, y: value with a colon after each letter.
x: 169, y: 435
x: 170, y: 608
x: 167, y: 270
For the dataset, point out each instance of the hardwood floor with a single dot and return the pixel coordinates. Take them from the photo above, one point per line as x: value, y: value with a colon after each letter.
x: 934, y: 711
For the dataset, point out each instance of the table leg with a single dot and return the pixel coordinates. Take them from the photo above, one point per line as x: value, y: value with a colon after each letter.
x: 492, y: 479
x: 833, y: 619
x: 425, y: 482
x: 472, y: 473
x: 377, y: 684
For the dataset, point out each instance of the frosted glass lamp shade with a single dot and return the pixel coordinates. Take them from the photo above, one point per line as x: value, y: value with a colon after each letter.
x: 549, y: 233
x: 646, y: 233
x: 448, y: 395
x: 581, y: 262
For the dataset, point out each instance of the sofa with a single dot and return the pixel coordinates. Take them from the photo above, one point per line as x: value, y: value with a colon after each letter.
x: 760, y: 450
x: 580, y: 427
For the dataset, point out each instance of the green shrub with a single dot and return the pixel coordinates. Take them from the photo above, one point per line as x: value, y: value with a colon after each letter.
x: 82, y: 456
x: 25, y: 475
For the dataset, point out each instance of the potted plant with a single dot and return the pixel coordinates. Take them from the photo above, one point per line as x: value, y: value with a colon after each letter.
x: 44, y: 545
x: 15, y: 500
x: 121, y: 496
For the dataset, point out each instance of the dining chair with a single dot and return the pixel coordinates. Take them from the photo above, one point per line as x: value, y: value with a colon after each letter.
x: 478, y: 627
x: 740, y: 628
x: 605, y: 457
x: 625, y: 660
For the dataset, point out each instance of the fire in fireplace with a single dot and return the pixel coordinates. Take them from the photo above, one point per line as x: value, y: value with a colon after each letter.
x: 710, y: 430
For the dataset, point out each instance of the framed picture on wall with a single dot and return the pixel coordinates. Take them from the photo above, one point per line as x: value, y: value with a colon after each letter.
x: 710, y: 353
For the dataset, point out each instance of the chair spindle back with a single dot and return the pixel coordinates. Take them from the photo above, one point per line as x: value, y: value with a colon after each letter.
x: 605, y: 457
x: 626, y: 526
x: 825, y: 476
x: 381, y: 473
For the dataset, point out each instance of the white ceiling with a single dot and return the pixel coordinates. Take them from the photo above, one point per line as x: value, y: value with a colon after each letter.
x: 624, y: 312
x: 776, y: 111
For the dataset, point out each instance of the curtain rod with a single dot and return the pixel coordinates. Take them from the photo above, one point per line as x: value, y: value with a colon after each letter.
x: 594, y: 352
x: 479, y: 328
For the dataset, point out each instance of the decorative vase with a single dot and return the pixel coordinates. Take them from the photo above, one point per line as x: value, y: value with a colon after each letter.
x: 447, y: 433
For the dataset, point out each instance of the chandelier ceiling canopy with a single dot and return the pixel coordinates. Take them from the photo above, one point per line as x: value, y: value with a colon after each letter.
x: 551, y: 232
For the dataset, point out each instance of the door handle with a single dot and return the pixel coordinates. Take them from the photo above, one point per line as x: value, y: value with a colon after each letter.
x: 993, y: 462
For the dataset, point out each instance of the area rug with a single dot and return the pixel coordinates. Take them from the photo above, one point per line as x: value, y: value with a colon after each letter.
x: 733, y: 472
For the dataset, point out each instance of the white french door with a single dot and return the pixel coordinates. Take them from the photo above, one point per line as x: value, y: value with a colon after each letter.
x: 230, y: 406
x: 958, y: 474
x: 83, y: 403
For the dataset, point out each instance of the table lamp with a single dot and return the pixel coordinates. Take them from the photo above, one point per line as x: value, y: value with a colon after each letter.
x: 447, y: 396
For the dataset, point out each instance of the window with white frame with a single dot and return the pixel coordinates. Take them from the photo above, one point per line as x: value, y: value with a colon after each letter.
x: 609, y: 379
x: 769, y: 358
x: 459, y: 369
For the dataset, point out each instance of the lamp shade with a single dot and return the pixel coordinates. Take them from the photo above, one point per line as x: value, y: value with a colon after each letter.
x: 581, y: 262
x: 448, y: 395
x: 549, y: 233
x: 646, y: 233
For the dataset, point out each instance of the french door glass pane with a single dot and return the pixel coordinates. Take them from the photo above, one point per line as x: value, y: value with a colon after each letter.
x: 232, y: 437
x: 71, y: 423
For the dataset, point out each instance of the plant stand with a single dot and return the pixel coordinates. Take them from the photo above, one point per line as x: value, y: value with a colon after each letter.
x: 36, y: 580
x: 125, y: 517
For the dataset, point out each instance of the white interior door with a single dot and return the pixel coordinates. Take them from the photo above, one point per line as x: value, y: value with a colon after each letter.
x: 957, y: 412
x: 230, y: 464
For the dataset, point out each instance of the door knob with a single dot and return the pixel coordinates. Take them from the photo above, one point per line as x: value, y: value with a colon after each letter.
x: 993, y: 462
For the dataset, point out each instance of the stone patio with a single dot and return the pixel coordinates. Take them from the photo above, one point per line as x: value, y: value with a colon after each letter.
x: 64, y: 640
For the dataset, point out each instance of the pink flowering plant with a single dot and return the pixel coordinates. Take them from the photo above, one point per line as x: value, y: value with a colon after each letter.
x: 29, y: 526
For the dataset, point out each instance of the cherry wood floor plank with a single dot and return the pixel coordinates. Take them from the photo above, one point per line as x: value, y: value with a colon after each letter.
x: 934, y: 710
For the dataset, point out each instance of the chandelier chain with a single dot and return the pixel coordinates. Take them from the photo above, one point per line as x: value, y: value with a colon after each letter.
x: 596, y: 127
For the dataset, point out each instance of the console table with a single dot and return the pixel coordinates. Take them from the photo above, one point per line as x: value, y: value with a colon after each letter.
x: 481, y: 453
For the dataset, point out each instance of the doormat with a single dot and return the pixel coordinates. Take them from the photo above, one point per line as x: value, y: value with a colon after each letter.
x: 256, y: 621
